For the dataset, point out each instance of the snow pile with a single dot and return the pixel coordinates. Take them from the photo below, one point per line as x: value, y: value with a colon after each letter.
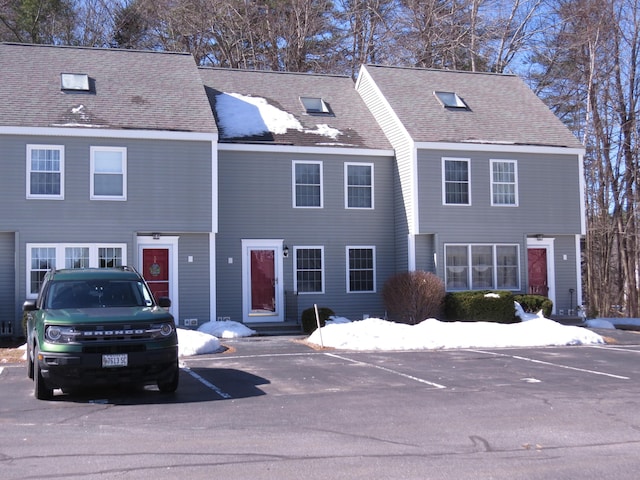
x: 226, y: 329
x: 377, y: 334
x: 192, y: 342
x: 600, y: 323
x: 207, y: 338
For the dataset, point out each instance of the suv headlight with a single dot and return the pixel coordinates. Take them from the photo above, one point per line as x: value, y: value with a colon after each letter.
x: 60, y: 334
x: 163, y: 329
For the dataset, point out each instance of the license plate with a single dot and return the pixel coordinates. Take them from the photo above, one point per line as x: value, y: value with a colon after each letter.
x: 115, y: 360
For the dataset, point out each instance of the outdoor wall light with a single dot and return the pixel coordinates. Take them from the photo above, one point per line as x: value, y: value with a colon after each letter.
x: 156, y: 236
x: 285, y: 251
x: 539, y: 237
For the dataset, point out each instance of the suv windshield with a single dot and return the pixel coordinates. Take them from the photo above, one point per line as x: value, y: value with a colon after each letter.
x: 97, y: 293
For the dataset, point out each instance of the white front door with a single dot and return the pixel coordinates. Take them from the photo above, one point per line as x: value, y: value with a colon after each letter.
x: 263, y: 292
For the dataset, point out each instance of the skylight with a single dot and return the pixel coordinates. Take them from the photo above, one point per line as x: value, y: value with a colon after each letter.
x: 315, y: 105
x: 450, y: 100
x: 74, y: 81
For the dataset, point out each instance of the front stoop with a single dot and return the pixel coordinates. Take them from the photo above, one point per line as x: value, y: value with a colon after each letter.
x: 568, y: 320
x: 276, y: 328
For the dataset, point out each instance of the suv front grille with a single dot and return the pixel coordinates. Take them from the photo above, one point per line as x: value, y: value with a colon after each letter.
x: 114, y: 332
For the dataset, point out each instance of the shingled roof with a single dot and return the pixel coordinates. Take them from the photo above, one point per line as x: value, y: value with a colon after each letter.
x: 501, y: 108
x: 347, y: 123
x: 129, y: 89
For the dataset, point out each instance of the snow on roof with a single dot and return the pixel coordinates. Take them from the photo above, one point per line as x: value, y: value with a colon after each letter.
x: 245, y: 116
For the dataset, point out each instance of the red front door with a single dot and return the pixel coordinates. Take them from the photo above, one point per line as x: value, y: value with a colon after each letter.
x: 155, y: 270
x: 538, y: 282
x: 263, y: 281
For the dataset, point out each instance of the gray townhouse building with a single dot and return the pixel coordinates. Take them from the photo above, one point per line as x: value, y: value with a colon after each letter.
x: 489, y: 183
x: 251, y: 195
x: 108, y: 157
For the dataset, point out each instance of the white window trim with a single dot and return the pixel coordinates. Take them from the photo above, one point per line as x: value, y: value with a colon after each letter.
x: 368, y: 247
x: 60, y: 256
x: 346, y: 185
x: 515, y: 172
x: 123, y: 151
x: 60, y: 148
x: 444, y: 182
x: 495, y: 266
x: 294, y: 184
x: 295, y: 267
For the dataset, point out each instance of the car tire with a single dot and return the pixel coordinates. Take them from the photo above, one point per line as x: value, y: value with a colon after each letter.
x: 170, y: 385
x: 29, y: 364
x: 40, y: 388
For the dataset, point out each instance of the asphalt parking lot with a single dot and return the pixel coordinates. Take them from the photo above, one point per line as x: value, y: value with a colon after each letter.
x: 271, y: 407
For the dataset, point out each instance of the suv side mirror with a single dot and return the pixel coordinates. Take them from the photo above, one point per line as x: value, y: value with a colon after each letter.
x: 164, y: 302
x: 29, y: 306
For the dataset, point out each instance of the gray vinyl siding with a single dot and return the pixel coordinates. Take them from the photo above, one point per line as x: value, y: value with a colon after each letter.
x: 548, y: 190
x: 256, y: 203
x: 168, y: 187
x: 565, y: 272
x: 548, y: 204
x: 168, y: 191
x: 425, y: 253
x: 8, y: 304
x: 194, y: 287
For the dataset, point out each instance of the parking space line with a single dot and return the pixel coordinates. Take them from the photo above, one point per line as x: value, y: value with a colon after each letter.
x: 1, y: 370
x: 205, y: 382
x: 541, y: 362
x: 388, y: 370
x: 617, y: 348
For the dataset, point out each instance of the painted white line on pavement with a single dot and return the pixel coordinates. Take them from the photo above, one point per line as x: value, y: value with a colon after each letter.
x: 1, y: 370
x: 205, y: 382
x: 242, y: 357
x: 541, y: 362
x: 617, y: 348
x: 385, y: 369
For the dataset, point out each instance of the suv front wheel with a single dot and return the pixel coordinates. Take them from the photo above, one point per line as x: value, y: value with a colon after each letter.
x: 170, y: 385
x: 40, y: 388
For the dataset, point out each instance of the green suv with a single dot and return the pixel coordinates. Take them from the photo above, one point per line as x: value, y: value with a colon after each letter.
x: 99, y: 326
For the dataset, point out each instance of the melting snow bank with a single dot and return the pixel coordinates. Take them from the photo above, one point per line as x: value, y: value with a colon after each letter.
x: 192, y: 342
x: 377, y: 334
x: 206, y: 338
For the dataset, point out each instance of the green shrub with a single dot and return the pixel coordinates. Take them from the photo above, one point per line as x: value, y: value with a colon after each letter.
x: 534, y: 303
x: 309, y: 323
x: 412, y: 297
x: 470, y: 306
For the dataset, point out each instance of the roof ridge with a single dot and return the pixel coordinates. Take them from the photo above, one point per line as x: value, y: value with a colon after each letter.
x: 97, y: 49
x: 439, y: 70
x: 277, y: 72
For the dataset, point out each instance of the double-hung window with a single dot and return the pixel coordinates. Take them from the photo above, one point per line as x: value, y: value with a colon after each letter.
x: 358, y: 185
x: 361, y: 269
x: 45, y: 171
x: 40, y: 259
x: 504, y: 182
x: 479, y: 267
x: 108, y: 173
x: 309, y: 277
x: 456, y: 188
x: 307, y: 184
x: 44, y: 257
